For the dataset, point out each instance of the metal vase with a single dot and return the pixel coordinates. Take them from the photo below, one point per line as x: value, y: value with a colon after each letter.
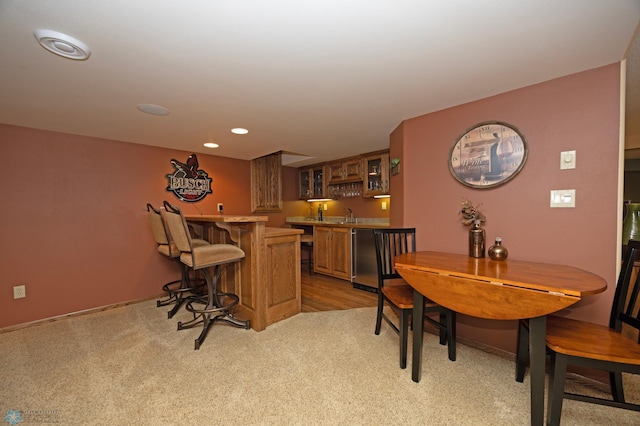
x: 476, y: 241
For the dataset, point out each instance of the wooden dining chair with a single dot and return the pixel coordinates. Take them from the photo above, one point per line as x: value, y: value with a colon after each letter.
x: 217, y: 305
x: 176, y: 291
x: 398, y: 295
x: 614, y: 348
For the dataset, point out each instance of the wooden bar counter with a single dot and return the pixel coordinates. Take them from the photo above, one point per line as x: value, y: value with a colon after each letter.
x: 267, y: 280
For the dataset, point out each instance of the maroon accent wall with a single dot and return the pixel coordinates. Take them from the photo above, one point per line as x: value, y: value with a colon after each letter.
x: 74, y: 224
x: 578, y: 112
x: 74, y: 227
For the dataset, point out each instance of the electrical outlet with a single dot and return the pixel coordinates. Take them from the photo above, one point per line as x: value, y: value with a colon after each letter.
x: 326, y: 207
x: 384, y: 205
x: 19, y: 291
x: 220, y: 208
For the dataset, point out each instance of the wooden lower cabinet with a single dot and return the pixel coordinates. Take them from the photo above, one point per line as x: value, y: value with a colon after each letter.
x: 283, y: 291
x: 332, y: 251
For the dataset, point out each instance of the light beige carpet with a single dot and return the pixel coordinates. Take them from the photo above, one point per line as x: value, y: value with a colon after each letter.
x: 129, y: 365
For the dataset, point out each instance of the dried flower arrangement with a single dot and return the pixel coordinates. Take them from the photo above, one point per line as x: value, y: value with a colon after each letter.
x: 470, y: 213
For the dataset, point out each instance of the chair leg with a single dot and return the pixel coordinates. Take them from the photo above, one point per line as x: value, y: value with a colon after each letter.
x: 444, y: 331
x: 522, y: 351
x: 185, y: 286
x: 557, y: 377
x: 404, y: 336
x: 178, y: 295
x: 379, y: 314
x: 197, y: 319
x: 617, y: 391
x: 206, y: 322
x: 217, y: 308
x: 216, y: 303
x: 171, y: 295
x: 451, y: 334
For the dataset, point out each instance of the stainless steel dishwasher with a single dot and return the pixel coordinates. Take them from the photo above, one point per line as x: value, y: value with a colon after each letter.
x: 363, y: 259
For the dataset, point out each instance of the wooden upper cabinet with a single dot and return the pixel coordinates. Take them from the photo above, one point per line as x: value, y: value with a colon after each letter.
x: 313, y: 182
x: 348, y: 170
x: 367, y: 174
x: 376, y: 174
x: 336, y: 172
x: 266, y: 183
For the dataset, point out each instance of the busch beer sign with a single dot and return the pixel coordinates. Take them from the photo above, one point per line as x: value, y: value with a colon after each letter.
x: 187, y: 182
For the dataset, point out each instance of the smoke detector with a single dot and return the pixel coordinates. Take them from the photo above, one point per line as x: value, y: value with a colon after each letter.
x: 62, y: 45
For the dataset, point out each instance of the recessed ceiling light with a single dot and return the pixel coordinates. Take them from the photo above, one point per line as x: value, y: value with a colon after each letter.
x: 62, y: 45
x: 153, y: 109
x: 239, y: 131
x: 211, y: 145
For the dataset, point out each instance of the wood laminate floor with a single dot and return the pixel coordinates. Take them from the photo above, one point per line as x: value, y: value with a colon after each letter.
x: 324, y: 293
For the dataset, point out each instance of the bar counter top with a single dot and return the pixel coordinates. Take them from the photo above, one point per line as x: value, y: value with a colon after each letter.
x: 360, y: 223
x: 229, y: 218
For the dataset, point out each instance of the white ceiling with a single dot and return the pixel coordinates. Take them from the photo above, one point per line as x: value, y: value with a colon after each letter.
x: 326, y: 79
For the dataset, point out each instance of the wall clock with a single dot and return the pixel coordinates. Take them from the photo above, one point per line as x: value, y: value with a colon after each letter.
x: 487, y: 155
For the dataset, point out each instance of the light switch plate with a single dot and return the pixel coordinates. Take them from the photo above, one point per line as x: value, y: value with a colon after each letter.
x: 563, y: 198
x: 567, y: 160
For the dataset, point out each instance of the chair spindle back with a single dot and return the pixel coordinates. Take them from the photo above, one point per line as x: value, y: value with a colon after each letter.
x: 390, y: 243
x: 626, y: 306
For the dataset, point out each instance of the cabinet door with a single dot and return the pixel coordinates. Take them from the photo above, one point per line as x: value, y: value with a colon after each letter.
x: 345, y: 171
x: 322, y: 249
x: 319, y: 182
x: 313, y: 183
x: 353, y: 170
x: 341, y: 252
x: 305, y: 184
x: 336, y: 172
x: 376, y: 175
x: 266, y: 183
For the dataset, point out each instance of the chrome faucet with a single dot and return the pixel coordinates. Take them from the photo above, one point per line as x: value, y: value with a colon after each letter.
x: 349, y: 216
